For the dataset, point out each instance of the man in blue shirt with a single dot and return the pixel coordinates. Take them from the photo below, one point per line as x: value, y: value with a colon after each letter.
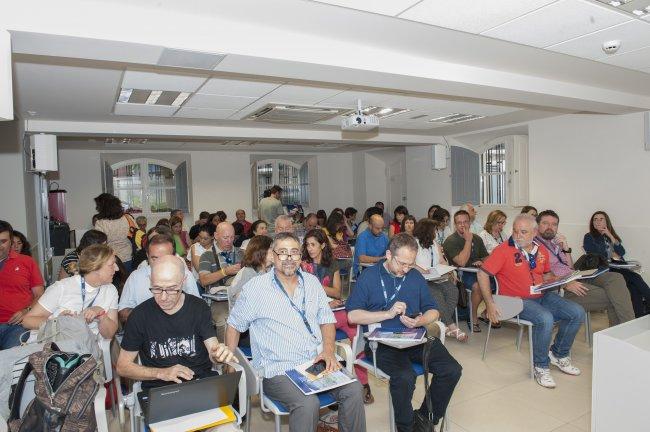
x: 371, y: 244
x: 291, y: 323
x: 391, y: 295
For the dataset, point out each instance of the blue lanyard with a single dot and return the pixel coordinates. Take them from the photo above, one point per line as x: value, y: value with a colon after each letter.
x: 83, y: 294
x: 383, y: 287
x: 301, y: 312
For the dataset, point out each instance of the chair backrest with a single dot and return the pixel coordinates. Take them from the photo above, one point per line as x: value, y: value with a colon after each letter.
x: 252, y: 377
x: 510, y: 307
x: 359, y: 342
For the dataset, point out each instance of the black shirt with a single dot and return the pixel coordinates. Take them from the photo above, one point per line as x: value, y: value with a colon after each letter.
x: 164, y: 340
x: 194, y: 231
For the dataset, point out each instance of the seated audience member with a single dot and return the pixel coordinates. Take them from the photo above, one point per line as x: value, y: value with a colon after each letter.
x: 20, y: 244
x: 181, y: 239
x: 112, y: 221
x: 204, y: 240
x: 141, y: 222
x: 603, y: 240
x: 318, y: 260
x: 21, y: 285
x: 431, y: 210
x: 287, y: 313
x: 223, y: 217
x: 529, y: 210
x: 384, y: 214
x: 257, y: 260
x: 444, y: 292
x: 444, y: 230
x: 271, y: 207
x: 607, y: 291
x: 215, y: 219
x: 403, y: 294
x: 69, y: 265
x: 171, y: 333
x: 136, y: 290
x: 371, y: 244
x: 310, y: 222
x: 177, y: 213
x: 465, y: 249
x: 239, y: 234
x: 240, y: 216
x: 492, y: 233
x: 336, y: 232
x: 474, y: 226
x: 203, y: 219
x: 408, y: 224
x: 395, y: 226
x: 517, y: 264
x: 283, y: 223
x: 258, y: 228
x: 366, y: 218
x: 89, y: 294
x: 351, y: 218
x: 321, y: 217
x: 140, y: 257
x: 163, y: 222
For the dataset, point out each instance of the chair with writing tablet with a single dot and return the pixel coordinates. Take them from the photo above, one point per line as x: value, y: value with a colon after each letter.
x: 371, y: 366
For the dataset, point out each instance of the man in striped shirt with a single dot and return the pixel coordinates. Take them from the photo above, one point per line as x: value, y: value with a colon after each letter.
x: 291, y: 323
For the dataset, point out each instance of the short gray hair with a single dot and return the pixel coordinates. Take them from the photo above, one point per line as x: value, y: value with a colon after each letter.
x: 525, y: 217
x: 283, y: 218
x: 284, y: 236
x: 402, y: 240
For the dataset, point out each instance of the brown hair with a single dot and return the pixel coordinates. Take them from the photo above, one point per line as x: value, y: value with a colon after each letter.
x: 255, y: 255
x: 594, y: 232
x: 92, y: 258
x: 425, y: 232
x: 174, y: 220
x: 492, y: 220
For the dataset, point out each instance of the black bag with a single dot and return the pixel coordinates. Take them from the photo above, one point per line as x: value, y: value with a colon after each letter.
x: 590, y: 261
x: 462, y: 294
x: 425, y: 422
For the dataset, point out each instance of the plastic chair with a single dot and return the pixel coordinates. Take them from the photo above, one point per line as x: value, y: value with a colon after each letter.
x: 371, y: 366
x: 469, y: 296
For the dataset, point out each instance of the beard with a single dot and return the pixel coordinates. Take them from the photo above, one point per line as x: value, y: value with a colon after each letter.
x: 547, y: 235
x: 289, y: 268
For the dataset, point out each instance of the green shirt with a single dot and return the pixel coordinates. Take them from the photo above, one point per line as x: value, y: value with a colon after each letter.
x: 454, y: 244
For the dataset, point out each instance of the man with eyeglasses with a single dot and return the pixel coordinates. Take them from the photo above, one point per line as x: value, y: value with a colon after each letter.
x: 518, y: 264
x: 291, y: 323
x: 136, y: 289
x: 391, y: 295
x: 172, y: 333
x: 220, y: 264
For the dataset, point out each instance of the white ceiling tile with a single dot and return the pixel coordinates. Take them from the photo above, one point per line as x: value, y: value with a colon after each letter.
x: 144, y: 110
x: 472, y: 16
x: 384, y: 7
x: 639, y: 59
x: 558, y: 22
x: 300, y: 95
x: 204, y: 113
x: 348, y: 99
x: 159, y: 81
x: 200, y: 100
x: 634, y: 34
x: 229, y: 87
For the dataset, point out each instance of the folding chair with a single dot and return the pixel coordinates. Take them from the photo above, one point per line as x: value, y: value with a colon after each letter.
x: 371, y: 366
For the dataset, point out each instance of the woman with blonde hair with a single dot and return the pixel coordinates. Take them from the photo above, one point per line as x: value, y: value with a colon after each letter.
x: 492, y: 234
x: 89, y: 294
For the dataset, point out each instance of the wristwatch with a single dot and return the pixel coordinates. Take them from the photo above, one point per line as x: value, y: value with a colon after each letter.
x: 567, y: 251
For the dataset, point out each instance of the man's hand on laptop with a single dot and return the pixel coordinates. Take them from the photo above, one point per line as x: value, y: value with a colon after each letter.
x: 177, y: 374
x: 220, y: 353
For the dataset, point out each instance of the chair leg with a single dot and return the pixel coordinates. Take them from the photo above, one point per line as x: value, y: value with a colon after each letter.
x: 456, y: 315
x: 487, y: 339
x: 520, y: 335
x: 391, y: 412
x: 247, y: 427
x: 530, y: 351
x: 588, y: 334
x: 278, y: 425
x: 470, y: 309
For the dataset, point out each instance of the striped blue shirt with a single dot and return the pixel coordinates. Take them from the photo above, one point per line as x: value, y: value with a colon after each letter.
x: 280, y: 339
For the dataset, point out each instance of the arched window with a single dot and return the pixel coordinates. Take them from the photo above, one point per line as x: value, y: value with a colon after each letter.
x: 493, y: 175
x: 290, y: 176
x: 149, y: 186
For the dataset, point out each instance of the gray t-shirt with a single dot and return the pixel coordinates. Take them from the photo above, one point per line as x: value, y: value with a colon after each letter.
x: 270, y: 208
x: 207, y: 263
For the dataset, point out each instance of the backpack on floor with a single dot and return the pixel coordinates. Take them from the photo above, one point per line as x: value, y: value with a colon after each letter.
x: 65, y: 389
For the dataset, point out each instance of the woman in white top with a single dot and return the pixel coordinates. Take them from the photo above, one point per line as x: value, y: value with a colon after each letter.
x: 492, y: 233
x: 203, y: 243
x: 444, y: 291
x: 258, y: 228
x: 258, y: 259
x: 89, y: 294
x: 112, y: 221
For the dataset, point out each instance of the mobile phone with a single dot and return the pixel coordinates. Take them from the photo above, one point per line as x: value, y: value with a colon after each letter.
x: 317, y: 368
x: 413, y: 316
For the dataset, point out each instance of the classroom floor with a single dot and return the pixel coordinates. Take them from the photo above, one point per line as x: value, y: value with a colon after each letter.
x: 496, y: 395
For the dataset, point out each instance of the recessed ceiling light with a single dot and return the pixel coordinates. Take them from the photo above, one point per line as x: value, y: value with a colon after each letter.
x: 638, y: 12
x: 380, y: 112
x: 615, y: 3
x: 180, y: 98
x: 125, y: 95
x: 456, y: 118
x: 153, y: 97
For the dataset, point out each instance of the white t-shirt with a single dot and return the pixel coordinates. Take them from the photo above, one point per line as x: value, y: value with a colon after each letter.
x: 489, y: 241
x: 198, y: 251
x: 66, y: 295
x: 425, y: 257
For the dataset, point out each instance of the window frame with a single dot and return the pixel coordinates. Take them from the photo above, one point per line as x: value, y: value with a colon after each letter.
x: 501, y: 176
x: 304, y: 188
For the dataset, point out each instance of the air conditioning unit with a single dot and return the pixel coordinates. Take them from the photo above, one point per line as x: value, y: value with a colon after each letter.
x: 277, y: 113
x: 43, y: 154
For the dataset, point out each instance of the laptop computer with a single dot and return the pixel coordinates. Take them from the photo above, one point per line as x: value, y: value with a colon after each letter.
x: 177, y: 400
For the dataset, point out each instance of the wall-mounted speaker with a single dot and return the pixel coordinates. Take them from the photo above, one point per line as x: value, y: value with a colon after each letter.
x: 438, y: 157
x: 42, y: 153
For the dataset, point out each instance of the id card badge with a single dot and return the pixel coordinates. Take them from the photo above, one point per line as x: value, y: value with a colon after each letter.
x: 533, y: 291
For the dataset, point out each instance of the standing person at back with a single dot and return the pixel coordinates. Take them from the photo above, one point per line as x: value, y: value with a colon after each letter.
x: 112, y: 221
x: 271, y: 207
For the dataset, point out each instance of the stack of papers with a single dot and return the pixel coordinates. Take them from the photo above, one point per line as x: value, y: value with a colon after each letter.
x: 438, y: 271
x: 398, y: 337
x: 538, y: 289
x: 624, y: 264
x: 310, y: 384
x: 198, y: 421
x: 590, y: 274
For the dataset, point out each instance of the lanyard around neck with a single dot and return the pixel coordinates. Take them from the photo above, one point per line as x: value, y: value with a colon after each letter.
x: 301, y: 311
x: 397, y: 290
x: 83, y: 295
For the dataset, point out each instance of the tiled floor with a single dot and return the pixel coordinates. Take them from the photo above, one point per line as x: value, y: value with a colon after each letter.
x: 497, y: 395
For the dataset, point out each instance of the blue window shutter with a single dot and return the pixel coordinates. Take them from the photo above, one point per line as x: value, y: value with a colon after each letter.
x: 108, y: 178
x: 180, y: 176
x: 465, y: 176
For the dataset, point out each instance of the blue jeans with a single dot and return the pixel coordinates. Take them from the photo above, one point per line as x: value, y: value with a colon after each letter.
x: 10, y: 335
x: 543, y: 312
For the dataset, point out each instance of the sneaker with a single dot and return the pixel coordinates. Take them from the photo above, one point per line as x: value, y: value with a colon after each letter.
x: 564, y: 364
x: 544, y: 378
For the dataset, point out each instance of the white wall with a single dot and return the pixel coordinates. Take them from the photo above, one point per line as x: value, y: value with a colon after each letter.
x: 425, y: 186
x: 335, y: 181
x: 375, y: 176
x: 12, y: 193
x: 583, y: 163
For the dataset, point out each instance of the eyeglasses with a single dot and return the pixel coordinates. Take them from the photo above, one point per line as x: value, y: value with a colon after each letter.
x: 170, y: 292
x: 284, y: 255
x: 405, y: 266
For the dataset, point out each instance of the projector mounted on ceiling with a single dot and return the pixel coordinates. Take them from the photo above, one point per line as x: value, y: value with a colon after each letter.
x: 359, y: 121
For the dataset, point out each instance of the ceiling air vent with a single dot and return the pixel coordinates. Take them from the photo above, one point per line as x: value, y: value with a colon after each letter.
x: 276, y: 113
x: 456, y: 118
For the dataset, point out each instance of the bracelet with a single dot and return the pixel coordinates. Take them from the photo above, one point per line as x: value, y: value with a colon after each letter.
x: 223, y: 272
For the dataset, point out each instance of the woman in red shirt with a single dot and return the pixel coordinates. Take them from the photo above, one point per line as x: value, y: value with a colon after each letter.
x: 396, y: 224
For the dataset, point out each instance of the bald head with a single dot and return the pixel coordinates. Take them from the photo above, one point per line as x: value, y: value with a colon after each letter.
x: 169, y: 268
x: 168, y: 276
x: 376, y: 223
x: 224, y: 235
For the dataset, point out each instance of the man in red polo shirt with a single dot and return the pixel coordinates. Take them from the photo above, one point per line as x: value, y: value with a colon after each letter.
x: 518, y: 264
x: 21, y: 285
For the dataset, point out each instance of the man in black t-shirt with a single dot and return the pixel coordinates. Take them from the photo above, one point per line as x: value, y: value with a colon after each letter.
x: 171, y: 332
